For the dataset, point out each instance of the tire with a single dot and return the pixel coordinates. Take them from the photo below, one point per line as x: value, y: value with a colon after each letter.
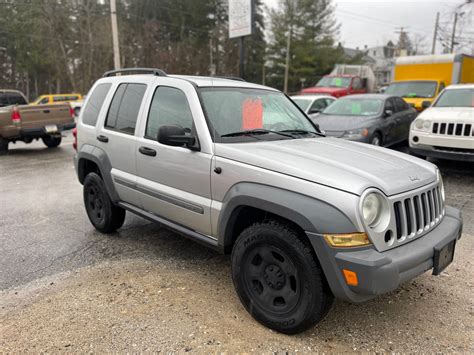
x: 3, y: 146
x: 103, y: 214
x: 278, y: 279
x: 52, y: 141
x: 376, y: 139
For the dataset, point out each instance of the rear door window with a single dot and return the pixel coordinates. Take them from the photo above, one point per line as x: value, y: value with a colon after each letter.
x: 123, y: 112
x: 3, y: 100
x: 400, y: 104
x: 95, y: 103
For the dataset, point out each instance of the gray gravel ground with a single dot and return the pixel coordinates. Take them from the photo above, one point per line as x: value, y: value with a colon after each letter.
x: 67, y: 288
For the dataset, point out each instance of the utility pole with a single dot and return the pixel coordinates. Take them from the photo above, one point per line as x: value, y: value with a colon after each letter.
x: 453, y: 36
x: 115, y: 39
x: 287, y: 62
x: 435, y: 34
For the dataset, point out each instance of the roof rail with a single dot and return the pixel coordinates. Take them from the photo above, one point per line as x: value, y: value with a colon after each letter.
x: 236, y: 78
x: 153, y: 71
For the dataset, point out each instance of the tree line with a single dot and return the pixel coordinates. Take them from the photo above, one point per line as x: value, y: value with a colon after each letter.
x: 53, y: 46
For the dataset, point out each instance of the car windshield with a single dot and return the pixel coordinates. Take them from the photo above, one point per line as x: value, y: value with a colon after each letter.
x: 231, y: 111
x: 354, y: 107
x: 456, y: 98
x: 414, y: 89
x: 302, y: 103
x: 334, y: 82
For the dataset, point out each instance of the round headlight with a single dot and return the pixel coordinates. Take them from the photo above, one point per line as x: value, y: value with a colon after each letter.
x: 419, y: 124
x: 371, y: 208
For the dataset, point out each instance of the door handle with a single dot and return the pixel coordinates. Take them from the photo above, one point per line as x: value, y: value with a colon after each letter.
x: 147, y: 151
x: 102, y: 138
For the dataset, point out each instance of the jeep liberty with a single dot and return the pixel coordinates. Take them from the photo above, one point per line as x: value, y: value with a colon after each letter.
x: 240, y: 168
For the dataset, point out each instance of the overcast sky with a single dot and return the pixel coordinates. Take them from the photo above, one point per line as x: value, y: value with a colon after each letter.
x: 375, y: 22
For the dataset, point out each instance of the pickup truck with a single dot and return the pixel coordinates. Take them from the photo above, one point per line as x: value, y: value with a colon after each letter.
x: 22, y: 122
x: 344, y: 80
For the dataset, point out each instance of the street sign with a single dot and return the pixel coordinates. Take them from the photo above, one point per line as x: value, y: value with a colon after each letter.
x: 240, y: 18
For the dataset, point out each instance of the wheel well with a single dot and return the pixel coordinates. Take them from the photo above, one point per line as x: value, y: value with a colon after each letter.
x: 87, y: 166
x: 244, y: 216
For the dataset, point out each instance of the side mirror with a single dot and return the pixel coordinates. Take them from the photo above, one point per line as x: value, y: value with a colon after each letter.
x: 425, y: 104
x: 176, y: 136
x: 313, y: 111
x: 388, y: 113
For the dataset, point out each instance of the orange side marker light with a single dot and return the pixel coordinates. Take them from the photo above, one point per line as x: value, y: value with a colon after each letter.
x: 351, y: 277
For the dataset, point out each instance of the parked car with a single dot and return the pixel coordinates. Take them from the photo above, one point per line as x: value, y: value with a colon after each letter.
x: 22, y: 122
x: 237, y: 167
x: 377, y: 119
x: 312, y: 104
x: 446, y: 129
x: 344, y: 80
x: 56, y: 98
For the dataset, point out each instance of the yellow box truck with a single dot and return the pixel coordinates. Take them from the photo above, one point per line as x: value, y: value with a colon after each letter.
x: 421, y: 78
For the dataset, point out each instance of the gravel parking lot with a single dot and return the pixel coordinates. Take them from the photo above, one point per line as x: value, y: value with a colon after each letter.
x: 65, y: 287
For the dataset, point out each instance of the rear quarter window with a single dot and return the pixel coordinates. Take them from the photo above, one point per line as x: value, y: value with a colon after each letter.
x: 95, y: 103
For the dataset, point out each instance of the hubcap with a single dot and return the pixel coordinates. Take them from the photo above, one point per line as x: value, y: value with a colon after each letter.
x: 271, y: 279
x: 95, y: 204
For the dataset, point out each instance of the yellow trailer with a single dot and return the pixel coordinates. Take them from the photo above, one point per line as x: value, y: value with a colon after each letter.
x: 422, y: 78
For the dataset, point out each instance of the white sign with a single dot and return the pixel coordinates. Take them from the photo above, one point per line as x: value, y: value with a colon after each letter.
x: 240, y: 18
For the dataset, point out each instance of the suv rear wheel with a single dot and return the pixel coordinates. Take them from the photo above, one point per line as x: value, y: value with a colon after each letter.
x: 52, y: 141
x: 277, y: 278
x: 103, y: 214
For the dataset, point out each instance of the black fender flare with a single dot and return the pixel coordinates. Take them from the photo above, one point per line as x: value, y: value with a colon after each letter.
x: 99, y: 157
x: 309, y: 213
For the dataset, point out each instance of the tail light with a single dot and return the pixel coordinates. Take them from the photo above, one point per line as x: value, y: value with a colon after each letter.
x: 71, y: 111
x: 16, y: 117
x: 74, y: 142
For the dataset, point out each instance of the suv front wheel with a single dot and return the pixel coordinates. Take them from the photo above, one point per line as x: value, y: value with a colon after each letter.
x: 103, y: 214
x: 278, y: 279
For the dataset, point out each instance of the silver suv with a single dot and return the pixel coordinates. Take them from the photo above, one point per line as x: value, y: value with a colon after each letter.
x: 240, y: 168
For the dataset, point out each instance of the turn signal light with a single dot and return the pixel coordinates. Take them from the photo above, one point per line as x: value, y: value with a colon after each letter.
x: 351, y: 277
x: 347, y: 240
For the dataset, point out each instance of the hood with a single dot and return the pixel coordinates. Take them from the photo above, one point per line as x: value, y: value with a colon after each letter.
x: 342, y: 123
x: 324, y: 90
x: 337, y: 163
x: 454, y: 114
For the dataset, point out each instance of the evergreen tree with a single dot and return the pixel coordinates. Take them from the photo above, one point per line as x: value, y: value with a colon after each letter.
x: 310, y: 28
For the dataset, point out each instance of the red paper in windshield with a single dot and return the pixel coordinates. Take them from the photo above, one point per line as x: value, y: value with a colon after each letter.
x: 252, y: 114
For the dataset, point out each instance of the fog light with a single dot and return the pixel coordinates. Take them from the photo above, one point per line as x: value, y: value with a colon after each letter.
x: 351, y: 277
x: 415, y: 139
x: 347, y: 240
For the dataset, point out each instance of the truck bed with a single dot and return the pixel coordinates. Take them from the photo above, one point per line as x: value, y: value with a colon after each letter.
x: 36, y: 121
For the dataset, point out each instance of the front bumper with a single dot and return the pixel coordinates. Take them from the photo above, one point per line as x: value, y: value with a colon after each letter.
x: 382, y: 272
x: 444, y: 153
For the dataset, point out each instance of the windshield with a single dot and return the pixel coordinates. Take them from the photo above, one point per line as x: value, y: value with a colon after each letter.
x: 415, y: 89
x: 354, y: 107
x: 334, y: 82
x: 302, y: 103
x: 231, y: 110
x: 456, y: 98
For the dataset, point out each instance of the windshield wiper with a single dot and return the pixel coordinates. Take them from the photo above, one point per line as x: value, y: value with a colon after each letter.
x: 301, y: 131
x: 256, y: 131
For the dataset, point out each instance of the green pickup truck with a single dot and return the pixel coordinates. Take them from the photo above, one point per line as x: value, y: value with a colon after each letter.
x: 22, y: 122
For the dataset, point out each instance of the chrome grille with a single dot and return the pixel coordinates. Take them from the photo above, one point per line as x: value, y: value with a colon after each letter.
x: 417, y: 214
x: 453, y: 129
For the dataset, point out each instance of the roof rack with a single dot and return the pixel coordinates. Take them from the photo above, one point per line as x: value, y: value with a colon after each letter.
x: 153, y: 71
x: 236, y: 78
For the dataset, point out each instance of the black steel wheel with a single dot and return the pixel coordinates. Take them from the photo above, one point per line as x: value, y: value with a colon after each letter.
x: 278, y: 279
x: 103, y: 214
